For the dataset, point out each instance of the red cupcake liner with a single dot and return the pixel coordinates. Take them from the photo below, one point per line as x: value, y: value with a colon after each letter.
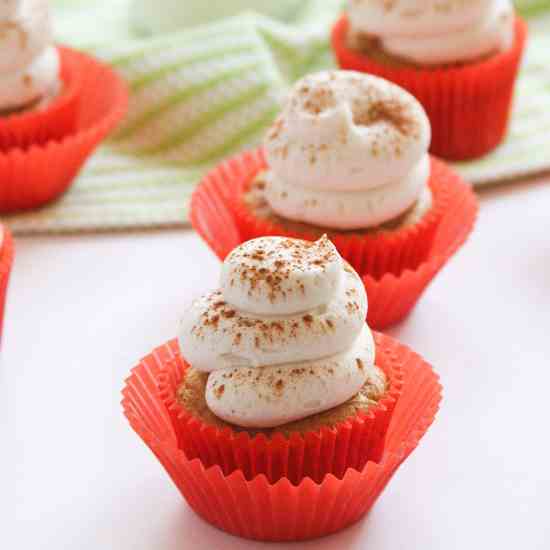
x: 391, y: 296
x: 350, y: 444
x: 34, y: 176
x: 6, y: 261
x: 282, y: 511
x: 54, y: 121
x: 468, y: 106
x: 390, y: 252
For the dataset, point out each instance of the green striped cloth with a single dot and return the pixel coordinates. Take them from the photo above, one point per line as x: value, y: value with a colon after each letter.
x: 200, y: 95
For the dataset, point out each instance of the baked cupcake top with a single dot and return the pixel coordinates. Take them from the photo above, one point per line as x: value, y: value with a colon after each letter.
x: 348, y: 151
x: 29, y: 62
x: 435, y: 32
x: 284, y: 337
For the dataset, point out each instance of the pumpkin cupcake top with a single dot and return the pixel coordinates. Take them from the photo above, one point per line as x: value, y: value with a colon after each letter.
x: 435, y: 32
x: 348, y: 151
x: 284, y: 337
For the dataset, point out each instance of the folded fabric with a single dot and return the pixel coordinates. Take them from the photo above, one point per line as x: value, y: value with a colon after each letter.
x: 205, y: 93
x: 169, y: 15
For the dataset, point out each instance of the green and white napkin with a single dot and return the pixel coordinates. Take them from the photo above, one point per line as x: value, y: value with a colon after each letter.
x: 200, y: 95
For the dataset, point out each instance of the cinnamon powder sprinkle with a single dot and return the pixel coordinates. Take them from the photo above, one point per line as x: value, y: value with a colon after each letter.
x: 273, y: 279
x: 390, y: 111
x: 308, y: 319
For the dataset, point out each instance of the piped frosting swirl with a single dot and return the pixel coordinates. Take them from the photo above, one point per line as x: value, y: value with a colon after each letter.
x: 285, y: 336
x: 348, y: 151
x: 432, y: 32
x: 29, y: 62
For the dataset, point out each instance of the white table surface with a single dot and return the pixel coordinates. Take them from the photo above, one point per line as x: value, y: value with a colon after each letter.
x: 82, y: 310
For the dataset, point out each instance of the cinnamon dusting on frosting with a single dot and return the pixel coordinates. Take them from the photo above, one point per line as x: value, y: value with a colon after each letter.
x: 391, y: 111
x: 270, y: 364
x: 292, y: 256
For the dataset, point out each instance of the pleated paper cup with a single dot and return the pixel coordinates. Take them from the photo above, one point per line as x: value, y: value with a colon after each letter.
x: 282, y: 511
x: 52, y: 122
x: 468, y: 105
x: 395, y: 268
x: 34, y: 176
x: 376, y: 254
x: 6, y: 262
x: 314, y: 454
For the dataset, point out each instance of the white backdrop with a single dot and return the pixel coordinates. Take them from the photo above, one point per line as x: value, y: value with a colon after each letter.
x: 82, y: 310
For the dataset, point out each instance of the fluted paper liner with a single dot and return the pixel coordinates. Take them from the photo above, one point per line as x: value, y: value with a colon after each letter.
x: 468, y: 105
x: 392, y: 288
x: 282, y: 511
x: 52, y: 122
x: 314, y: 454
x: 6, y: 261
x: 40, y: 173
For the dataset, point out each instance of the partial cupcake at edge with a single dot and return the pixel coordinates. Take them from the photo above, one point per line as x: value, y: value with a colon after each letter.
x: 459, y: 58
x: 278, y: 376
x: 38, y: 96
x: 6, y: 262
x: 48, y: 115
x: 348, y: 156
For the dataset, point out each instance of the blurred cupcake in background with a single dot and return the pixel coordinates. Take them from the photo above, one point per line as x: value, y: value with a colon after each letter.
x: 459, y: 58
x: 56, y: 105
x: 348, y: 156
x: 38, y: 90
x: 280, y: 394
x: 6, y: 261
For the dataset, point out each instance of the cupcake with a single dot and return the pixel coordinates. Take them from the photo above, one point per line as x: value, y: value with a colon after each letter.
x: 282, y: 351
x: 280, y: 391
x: 38, y: 93
x: 348, y: 156
x: 56, y: 105
x: 6, y: 261
x: 460, y: 59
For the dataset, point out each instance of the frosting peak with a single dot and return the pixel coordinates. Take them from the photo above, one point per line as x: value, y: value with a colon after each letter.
x: 280, y: 276
x: 340, y: 127
x: 348, y: 151
x: 288, y: 322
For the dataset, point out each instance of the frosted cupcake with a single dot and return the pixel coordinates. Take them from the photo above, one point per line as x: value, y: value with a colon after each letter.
x: 282, y: 350
x: 56, y: 105
x: 459, y: 58
x: 272, y: 413
x: 38, y: 95
x: 348, y: 156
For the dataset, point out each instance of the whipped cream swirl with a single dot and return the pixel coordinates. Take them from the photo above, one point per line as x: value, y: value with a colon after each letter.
x: 29, y: 62
x: 348, y: 151
x: 434, y: 32
x: 285, y: 337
